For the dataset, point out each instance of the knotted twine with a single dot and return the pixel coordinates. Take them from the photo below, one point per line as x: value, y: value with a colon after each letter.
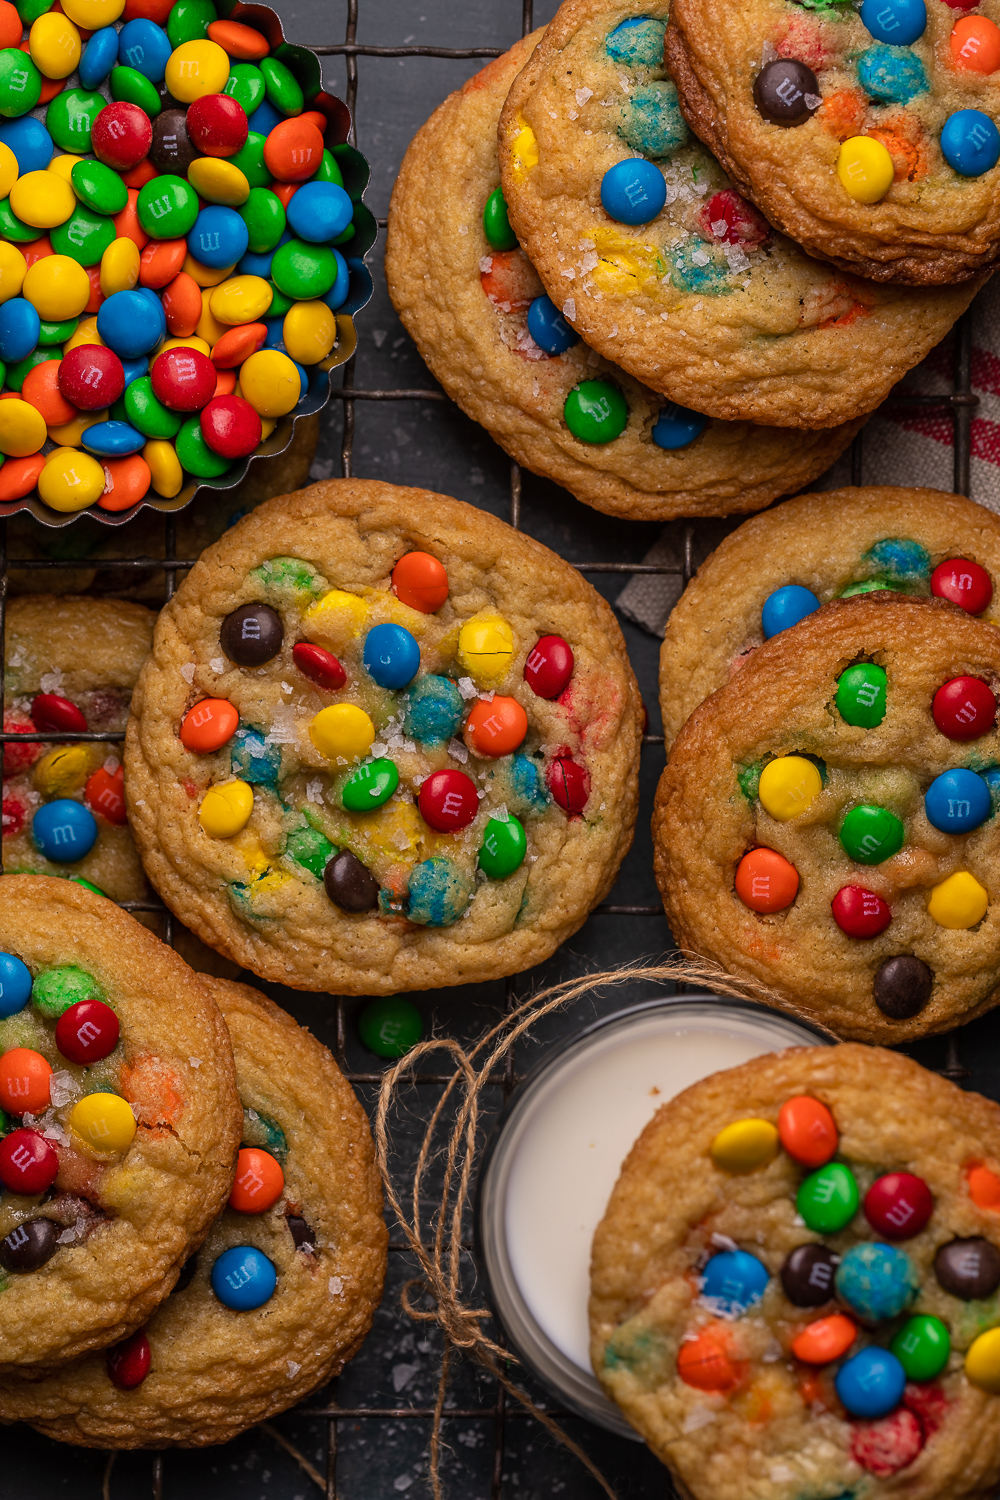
x: 437, y: 1243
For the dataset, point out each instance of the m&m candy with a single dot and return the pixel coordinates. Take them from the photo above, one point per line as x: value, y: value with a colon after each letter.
x: 898, y: 22
x: 861, y: 695
x: 982, y: 1363
x: 448, y: 801
x: 827, y: 1339
x: 420, y: 581
x: 321, y: 667
x: 963, y: 583
x: 708, y: 1362
x: 957, y: 801
x: 871, y: 834
x: 504, y: 847
x: 766, y: 881
x: 959, y: 901
x: 391, y: 656
x: 349, y: 885
x: 15, y: 985
x: 898, y: 1205
x: 860, y: 913
x: 633, y: 191
x: 964, y: 708
x: 549, y: 666
x: 28, y: 1246
x: 259, y: 1181
x: 876, y: 1281
x: 549, y: 328
x: 785, y: 608
x: 871, y: 1383
x: 807, y: 1275
x: 87, y: 1032
x: 734, y: 1281
x: 569, y: 783
x: 788, y: 786
x: 28, y: 1162
x: 103, y: 1123
x: 902, y: 986
x: 243, y: 1278
x: 128, y: 1363
x: 209, y: 725
x: 371, y: 785
x: 496, y: 727
x: 64, y: 831
x: 677, y: 426
x: 252, y: 635
x: 922, y: 1347
x: 745, y: 1146
x: 595, y: 411
x: 786, y: 92
x: 390, y: 1026
x: 828, y: 1199
x: 807, y: 1130
x: 970, y: 142
x: 968, y: 1268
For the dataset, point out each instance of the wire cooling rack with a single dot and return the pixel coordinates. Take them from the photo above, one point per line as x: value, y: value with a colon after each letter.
x: 318, y: 1428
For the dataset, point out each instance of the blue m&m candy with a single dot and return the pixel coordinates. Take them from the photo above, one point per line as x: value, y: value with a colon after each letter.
x: 319, y: 211
x: 876, y: 1280
x: 264, y: 118
x: 219, y: 237
x: 337, y: 295
x: 633, y: 191
x: 898, y: 22
x: 786, y: 607
x: 129, y: 324
x: 391, y: 656
x: 64, y: 830
x: 957, y: 801
x: 970, y: 142
x: 30, y: 142
x: 20, y: 326
x: 113, y: 439
x: 15, y: 985
x: 546, y: 325
x: 134, y: 369
x: 676, y: 426
x: 734, y: 1281
x: 243, y: 1278
x: 144, y: 46
x: 871, y: 1383
x: 99, y: 57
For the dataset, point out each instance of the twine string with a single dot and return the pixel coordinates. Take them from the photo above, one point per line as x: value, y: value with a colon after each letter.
x: 437, y: 1246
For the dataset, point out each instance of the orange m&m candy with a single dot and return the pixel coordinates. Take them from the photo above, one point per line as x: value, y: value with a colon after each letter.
x: 127, y: 226
x: 496, y: 728
x: 238, y: 40
x: 420, y: 581
x: 259, y: 1182
x: 766, y: 881
x: 225, y: 383
x: 161, y: 261
x: 105, y: 793
x: 807, y: 1131
x: 237, y: 344
x: 10, y: 25
x: 41, y: 390
x: 975, y: 44
x: 984, y: 1184
x: 19, y: 475
x: 137, y: 176
x: 825, y: 1340
x: 24, y: 1082
x: 181, y: 299
x: 706, y: 1363
x: 293, y: 150
x: 126, y: 481
x: 209, y: 725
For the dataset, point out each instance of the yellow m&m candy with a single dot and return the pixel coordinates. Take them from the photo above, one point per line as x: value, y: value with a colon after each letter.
x: 195, y: 69
x: 43, y: 200
x: 103, y: 1123
x: 93, y: 14
x: 12, y: 268
x: 22, y: 429
x: 342, y: 732
x: 63, y: 166
x: 164, y: 467
x: 485, y: 647
x: 119, y: 267
x: 788, y: 786
x: 204, y: 275
x: 336, y: 618
x: 9, y: 171
x: 959, y: 901
x: 745, y: 1145
x: 58, y: 286
x: 218, y: 181
x: 241, y: 299
x: 270, y: 382
x: 865, y: 169
x: 982, y: 1363
x: 309, y: 332
x: 54, y: 44
x: 225, y: 810
x: 70, y: 480
x: 63, y: 770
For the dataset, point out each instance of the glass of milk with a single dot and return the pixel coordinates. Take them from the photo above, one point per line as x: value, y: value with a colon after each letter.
x: 556, y: 1154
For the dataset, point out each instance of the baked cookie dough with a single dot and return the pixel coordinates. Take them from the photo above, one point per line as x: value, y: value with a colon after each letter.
x: 469, y: 305
x: 310, y: 1206
x: 384, y: 742
x: 71, y: 664
x: 826, y: 822
x: 794, y: 1288
x: 121, y: 1121
x: 698, y: 297
x: 842, y: 542
x: 867, y: 134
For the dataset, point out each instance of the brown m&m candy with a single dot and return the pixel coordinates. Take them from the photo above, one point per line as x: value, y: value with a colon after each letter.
x: 969, y: 1269
x: 902, y: 986
x: 172, y: 150
x: 786, y: 92
x: 29, y: 1245
x: 807, y: 1275
x: 349, y: 884
x: 252, y: 635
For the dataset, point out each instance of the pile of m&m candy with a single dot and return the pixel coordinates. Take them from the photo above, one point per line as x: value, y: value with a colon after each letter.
x: 434, y: 712
x: 169, y: 270
x: 873, y: 1281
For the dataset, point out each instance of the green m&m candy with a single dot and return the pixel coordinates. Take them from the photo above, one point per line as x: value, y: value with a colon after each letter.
x: 596, y: 411
x: 279, y: 302
x: 57, y: 333
x: 328, y: 170
x: 84, y: 237
x: 250, y: 160
x: 133, y: 87
x: 310, y: 849
x: 371, y: 785
x: 20, y: 83
x: 503, y: 848
x: 195, y: 454
x: 302, y: 271
x: 70, y: 118
x: 16, y: 373
x: 30, y: 10
x: 871, y: 834
x: 870, y: 586
x: 861, y: 695
x: 922, y: 1347
x: 98, y: 188
x: 189, y: 21
x: 245, y: 84
x: 283, y: 88
x: 390, y: 1026
x: 55, y: 990
x: 167, y: 207
x: 496, y: 225
x: 828, y: 1199
x: 147, y: 413
x: 12, y: 228
x: 264, y: 215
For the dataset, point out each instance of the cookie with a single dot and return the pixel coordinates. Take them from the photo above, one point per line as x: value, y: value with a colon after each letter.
x: 470, y: 304
x: 774, y: 570
x: 794, y: 1287
x: 826, y: 822
x: 121, y: 1121
x: 663, y: 266
x: 384, y: 742
x: 308, y: 1204
x: 71, y: 665
x: 868, y: 135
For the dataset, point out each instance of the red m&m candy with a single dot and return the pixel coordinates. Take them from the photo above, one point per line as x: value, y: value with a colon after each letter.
x: 230, y: 426
x: 898, y: 1205
x: 448, y: 801
x: 183, y: 378
x: 569, y: 783
x: 420, y: 581
x: 964, y: 583
x: 87, y: 1031
x: 128, y: 1362
x: 121, y: 135
x: 105, y: 793
x: 19, y: 757
x: 320, y: 666
x: 860, y: 913
x: 217, y: 124
x: 549, y: 666
x: 259, y: 1182
x: 964, y: 708
x: 28, y: 1162
x: 58, y: 715
x: 91, y: 377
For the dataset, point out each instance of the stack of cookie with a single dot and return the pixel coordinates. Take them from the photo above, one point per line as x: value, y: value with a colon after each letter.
x: 188, y: 1242
x: 644, y: 321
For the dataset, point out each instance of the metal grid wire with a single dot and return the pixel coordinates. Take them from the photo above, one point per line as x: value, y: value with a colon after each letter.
x: 960, y: 404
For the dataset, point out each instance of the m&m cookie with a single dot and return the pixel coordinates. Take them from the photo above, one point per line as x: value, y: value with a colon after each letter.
x: 826, y: 824
x: 282, y: 1291
x: 777, y: 569
x: 795, y: 1290
x: 657, y: 259
x: 474, y: 305
x: 120, y: 1121
x: 868, y: 133
x: 383, y: 742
